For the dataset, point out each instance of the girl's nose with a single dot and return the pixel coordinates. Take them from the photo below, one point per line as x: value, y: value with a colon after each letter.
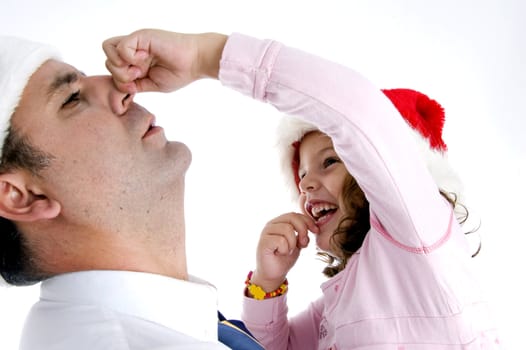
x: 308, y: 183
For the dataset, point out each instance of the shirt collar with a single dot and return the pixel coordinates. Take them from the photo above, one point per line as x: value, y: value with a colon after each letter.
x: 189, y: 307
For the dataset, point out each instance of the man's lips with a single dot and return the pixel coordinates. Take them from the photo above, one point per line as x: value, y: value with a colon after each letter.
x: 151, y: 128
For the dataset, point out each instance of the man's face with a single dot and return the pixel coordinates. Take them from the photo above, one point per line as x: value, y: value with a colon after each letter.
x: 109, y: 165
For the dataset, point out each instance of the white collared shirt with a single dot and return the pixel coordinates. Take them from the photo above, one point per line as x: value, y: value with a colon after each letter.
x: 122, y: 310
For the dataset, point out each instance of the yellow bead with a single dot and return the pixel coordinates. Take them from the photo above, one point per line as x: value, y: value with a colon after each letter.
x: 257, y: 292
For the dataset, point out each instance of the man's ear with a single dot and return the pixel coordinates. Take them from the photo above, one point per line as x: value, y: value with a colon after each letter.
x: 19, y: 203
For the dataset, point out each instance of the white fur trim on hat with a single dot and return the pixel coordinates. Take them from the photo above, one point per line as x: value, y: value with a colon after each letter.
x: 19, y: 59
x: 438, y: 165
x: 289, y: 131
x: 292, y: 129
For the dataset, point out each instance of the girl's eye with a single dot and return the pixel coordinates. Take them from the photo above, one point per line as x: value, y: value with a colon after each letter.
x: 74, y: 97
x: 329, y: 161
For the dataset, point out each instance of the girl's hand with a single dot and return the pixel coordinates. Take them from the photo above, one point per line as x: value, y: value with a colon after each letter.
x: 158, y: 60
x: 279, y: 247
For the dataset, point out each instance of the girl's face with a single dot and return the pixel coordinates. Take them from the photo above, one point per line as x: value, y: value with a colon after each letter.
x: 322, y: 176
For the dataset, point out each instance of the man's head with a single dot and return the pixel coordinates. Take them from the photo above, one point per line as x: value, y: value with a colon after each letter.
x: 19, y: 59
x: 84, y: 178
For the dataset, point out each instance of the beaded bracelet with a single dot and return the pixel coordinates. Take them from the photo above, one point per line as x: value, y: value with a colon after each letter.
x: 259, y: 294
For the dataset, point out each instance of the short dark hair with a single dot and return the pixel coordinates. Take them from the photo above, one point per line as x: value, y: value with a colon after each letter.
x: 17, y: 260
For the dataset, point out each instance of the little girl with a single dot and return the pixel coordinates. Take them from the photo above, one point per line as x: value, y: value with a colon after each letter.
x: 383, y: 283
x: 398, y: 256
x: 399, y: 260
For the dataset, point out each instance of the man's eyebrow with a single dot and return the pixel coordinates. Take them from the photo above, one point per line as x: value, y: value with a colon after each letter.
x: 61, y: 80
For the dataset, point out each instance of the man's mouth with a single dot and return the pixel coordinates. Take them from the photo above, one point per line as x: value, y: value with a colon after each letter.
x: 151, y: 126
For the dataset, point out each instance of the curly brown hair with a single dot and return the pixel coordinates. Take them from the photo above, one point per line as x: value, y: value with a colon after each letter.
x: 352, y: 228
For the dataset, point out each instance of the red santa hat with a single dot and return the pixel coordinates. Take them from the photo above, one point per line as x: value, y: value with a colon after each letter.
x: 425, y: 117
x: 19, y: 59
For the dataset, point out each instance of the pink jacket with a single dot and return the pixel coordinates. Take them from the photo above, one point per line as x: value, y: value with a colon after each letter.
x: 410, y: 285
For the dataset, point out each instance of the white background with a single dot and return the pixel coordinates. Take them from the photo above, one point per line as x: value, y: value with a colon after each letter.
x: 467, y: 54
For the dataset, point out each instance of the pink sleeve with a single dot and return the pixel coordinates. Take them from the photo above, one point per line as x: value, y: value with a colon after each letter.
x: 267, y: 320
x: 367, y: 131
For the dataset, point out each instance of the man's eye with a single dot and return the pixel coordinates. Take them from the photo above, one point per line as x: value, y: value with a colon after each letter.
x: 74, y: 97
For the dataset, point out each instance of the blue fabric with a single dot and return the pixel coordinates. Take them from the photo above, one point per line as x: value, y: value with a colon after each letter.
x: 234, y: 334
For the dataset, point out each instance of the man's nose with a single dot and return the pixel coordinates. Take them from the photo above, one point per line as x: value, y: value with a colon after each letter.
x: 118, y: 101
